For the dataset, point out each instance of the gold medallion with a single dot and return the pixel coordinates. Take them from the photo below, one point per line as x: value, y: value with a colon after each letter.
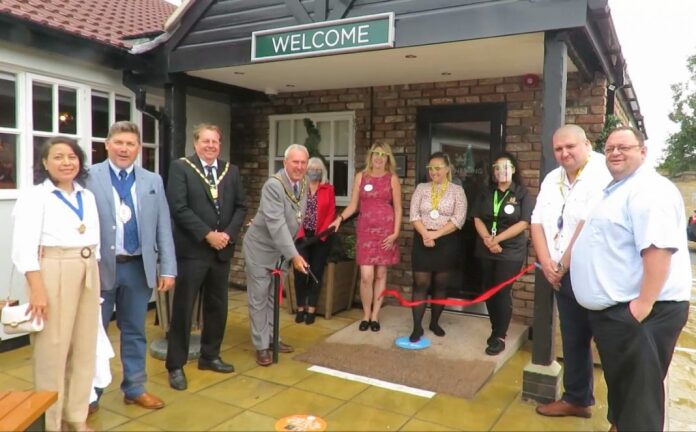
x: 81, y: 229
x: 214, y: 192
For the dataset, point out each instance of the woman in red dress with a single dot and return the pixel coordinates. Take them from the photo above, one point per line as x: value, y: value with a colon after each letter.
x: 377, y: 193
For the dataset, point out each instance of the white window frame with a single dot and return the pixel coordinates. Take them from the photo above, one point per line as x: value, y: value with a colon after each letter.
x: 331, y: 117
x: 24, y: 129
x: 16, y: 131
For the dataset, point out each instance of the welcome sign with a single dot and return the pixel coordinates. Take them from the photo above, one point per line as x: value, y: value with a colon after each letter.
x: 329, y: 37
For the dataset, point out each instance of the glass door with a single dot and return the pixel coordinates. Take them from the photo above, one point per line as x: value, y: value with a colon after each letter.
x: 471, y: 135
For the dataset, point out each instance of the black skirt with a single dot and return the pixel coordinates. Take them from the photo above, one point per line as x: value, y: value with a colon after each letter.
x: 444, y: 256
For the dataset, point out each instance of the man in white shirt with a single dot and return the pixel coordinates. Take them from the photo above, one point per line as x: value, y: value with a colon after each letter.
x: 566, y: 195
x: 631, y: 268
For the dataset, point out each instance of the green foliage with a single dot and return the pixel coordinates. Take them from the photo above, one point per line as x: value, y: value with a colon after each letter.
x: 680, y: 153
x: 313, y: 140
x: 342, y: 248
x: 610, y: 123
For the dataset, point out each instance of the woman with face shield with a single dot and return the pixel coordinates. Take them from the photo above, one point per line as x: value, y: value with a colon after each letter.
x: 321, y: 211
x: 502, y: 214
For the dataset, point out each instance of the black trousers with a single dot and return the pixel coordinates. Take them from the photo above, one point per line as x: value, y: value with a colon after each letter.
x: 210, y: 277
x: 576, y: 334
x: 499, y: 306
x: 635, y: 357
x: 316, y: 254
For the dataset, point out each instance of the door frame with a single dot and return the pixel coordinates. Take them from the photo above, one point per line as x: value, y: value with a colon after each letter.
x: 496, y: 113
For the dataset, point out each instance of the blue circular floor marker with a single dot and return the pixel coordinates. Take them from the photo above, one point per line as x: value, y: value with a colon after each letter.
x: 405, y: 343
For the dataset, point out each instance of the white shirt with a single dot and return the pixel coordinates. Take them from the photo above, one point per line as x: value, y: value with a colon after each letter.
x: 579, y: 198
x: 42, y: 219
x: 120, y: 250
x: 205, y: 166
x: 642, y: 210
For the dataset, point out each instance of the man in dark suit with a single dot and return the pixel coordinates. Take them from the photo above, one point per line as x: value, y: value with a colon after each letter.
x: 136, y: 235
x: 206, y: 200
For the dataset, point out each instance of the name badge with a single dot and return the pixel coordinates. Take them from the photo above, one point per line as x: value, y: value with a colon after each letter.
x: 509, y: 209
x: 368, y: 188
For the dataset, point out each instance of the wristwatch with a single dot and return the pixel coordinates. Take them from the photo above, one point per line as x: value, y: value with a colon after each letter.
x: 560, y: 268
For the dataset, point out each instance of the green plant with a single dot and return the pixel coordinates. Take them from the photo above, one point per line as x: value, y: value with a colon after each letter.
x: 342, y: 247
x: 313, y: 140
x: 612, y: 121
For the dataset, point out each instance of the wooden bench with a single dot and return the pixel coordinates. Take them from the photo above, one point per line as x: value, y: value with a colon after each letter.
x: 24, y: 411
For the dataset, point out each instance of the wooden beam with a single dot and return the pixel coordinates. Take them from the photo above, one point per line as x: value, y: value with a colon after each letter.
x: 298, y: 11
x: 341, y: 8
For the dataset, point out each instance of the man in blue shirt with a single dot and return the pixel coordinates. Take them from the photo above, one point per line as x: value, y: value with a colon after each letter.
x: 630, y: 267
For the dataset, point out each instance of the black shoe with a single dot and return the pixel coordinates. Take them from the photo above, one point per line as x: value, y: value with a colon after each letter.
x: 435, y: 328
x: 177, y: 379
x: 309, y: 318
x: 364, y: 325
x: 416, y: 335
x: 216, y: 365
x: 496, y: 347
x: 300, y: 316
x: 491, y: 339
x: 374, y: 326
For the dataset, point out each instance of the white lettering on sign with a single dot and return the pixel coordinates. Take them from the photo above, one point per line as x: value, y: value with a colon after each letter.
x: 362, y: 34
x: 314, y: 39
x: 331, y: 38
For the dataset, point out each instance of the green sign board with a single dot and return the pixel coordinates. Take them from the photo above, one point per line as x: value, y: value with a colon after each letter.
x: 329, y: 37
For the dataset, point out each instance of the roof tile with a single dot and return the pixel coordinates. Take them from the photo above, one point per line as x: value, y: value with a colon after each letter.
x: 107, y: 21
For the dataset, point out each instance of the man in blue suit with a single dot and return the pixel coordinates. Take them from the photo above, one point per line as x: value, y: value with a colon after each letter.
x: 136, y: 235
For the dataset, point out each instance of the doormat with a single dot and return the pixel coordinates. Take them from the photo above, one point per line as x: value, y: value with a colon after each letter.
x: 455, y: 364
x: 419, y: 369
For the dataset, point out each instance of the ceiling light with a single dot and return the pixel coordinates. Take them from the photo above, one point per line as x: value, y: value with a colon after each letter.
x: 410, y: 56
x: 290, y: 85
x: 238, y: 73
x: 446, y: 73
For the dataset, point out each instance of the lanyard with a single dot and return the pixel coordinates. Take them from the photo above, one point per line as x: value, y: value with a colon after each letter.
x: 122, y: 188
x: 496, y: 209
x: 79, y: 210
x: 436, y: 196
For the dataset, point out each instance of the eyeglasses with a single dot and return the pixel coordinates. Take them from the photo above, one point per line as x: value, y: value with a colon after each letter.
x: 622, y: 148
x: 380, y: 153
x: 435, y: 168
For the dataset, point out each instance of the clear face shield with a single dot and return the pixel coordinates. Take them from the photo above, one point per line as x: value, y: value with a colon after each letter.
x: 502, y: 171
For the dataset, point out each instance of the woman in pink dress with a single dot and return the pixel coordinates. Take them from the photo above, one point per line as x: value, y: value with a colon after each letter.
x: 377, y: 193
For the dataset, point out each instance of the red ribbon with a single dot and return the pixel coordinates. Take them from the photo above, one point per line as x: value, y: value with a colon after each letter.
x: 452, y: 302
x: 279, y: 273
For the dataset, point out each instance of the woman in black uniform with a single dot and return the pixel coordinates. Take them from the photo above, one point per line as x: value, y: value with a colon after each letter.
x: 501, y: 216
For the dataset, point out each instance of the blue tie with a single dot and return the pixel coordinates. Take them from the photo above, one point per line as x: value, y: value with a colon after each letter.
x: 296, y: 191
x: 130, y: 228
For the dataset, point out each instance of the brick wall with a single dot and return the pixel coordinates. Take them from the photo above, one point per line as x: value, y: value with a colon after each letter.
x: 393, y: 120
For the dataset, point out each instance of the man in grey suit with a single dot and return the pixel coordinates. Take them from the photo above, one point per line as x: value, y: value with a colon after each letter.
x: 270, y: 236
x: 136, y: 233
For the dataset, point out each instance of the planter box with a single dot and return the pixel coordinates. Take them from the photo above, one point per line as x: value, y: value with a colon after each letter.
x: 337, y: 288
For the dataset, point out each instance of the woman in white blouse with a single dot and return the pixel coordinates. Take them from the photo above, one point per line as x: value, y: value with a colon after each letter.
x: 55, y: 239
x: 438, y: 210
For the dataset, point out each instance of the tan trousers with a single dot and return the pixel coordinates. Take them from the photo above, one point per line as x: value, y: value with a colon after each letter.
x: 65, y: 351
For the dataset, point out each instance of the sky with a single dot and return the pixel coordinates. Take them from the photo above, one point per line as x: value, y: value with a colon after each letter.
x: 656, y: 39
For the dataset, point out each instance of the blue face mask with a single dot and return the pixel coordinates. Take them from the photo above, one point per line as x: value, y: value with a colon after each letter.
x: 314, y: 175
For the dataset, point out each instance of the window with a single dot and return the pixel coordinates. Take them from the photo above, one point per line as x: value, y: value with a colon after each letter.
x: 150, y: 148
x: 107, y: 108
x: 53, y: 112
x: 9, y: 132
x: 336, y: 131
